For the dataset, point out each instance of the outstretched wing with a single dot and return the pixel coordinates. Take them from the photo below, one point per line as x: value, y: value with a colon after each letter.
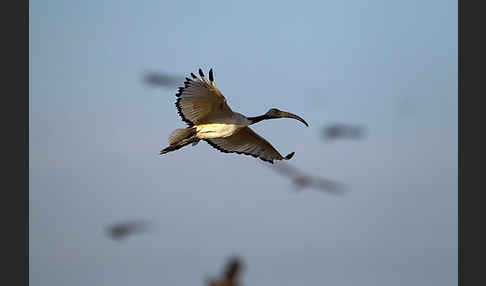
x: 246, y: 141
x: 200, y: 100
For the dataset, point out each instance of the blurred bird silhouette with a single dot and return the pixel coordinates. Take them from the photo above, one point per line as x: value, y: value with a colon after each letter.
x: 122, y: 230
x: 231, y: 274
x: 342, y: 131
x: 162, y: 79
x: 302, y: 181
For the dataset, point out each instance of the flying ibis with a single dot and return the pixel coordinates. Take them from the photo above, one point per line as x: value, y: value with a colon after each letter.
x: 337, y: 131
x: 162, y: 79
x: 205, y: 110
x: 231, y: 274
x: 301, y: 180
x: 122, y: 230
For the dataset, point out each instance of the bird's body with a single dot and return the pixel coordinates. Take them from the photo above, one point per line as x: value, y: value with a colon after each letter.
x: 205, y: 110
x: 224, y: 127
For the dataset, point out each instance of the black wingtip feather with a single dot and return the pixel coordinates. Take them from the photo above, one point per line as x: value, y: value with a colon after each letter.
x: 211, y: 77
x: 179, y: 109
x: 289, y: 156
x: 201, y: 73
x: 193, y: 76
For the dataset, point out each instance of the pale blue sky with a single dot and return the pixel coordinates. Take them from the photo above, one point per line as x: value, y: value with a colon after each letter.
x: 96, y: 130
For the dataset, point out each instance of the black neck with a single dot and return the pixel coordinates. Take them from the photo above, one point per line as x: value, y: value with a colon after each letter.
x: 257, y: 118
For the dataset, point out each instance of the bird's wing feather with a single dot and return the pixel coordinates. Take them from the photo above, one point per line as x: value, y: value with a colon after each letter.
x: 199, y: 100
x: 246, y: 141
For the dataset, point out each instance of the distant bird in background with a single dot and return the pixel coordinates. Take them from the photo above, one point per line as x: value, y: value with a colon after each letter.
x: 161, y: 79
x: 205, y: 110
x: 230, y: 275
x: 342, y: 131
x: 122, y: 230
x: 302, y: 181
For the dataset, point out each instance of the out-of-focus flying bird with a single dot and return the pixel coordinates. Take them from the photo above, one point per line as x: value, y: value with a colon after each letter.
x: 122, y: 230
x: 205, y: 110
x: 302, y: 181
x: 339, y: 131
x: 230, y: 275
x: 160, y: 79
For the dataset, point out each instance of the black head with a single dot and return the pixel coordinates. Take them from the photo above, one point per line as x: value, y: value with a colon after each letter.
x: 275, y: 113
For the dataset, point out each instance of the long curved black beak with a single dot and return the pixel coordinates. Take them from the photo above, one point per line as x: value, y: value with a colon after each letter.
x: 284, y: 114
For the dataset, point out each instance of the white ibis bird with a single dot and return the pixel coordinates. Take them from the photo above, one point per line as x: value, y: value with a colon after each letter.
x: 205, y: 110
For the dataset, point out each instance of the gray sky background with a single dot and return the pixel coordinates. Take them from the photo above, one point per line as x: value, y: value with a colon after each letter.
x: 96, y: 130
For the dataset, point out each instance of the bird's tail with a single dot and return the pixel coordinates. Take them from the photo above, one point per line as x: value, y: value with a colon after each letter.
x: 180, y: 134
x: 180, y: 138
